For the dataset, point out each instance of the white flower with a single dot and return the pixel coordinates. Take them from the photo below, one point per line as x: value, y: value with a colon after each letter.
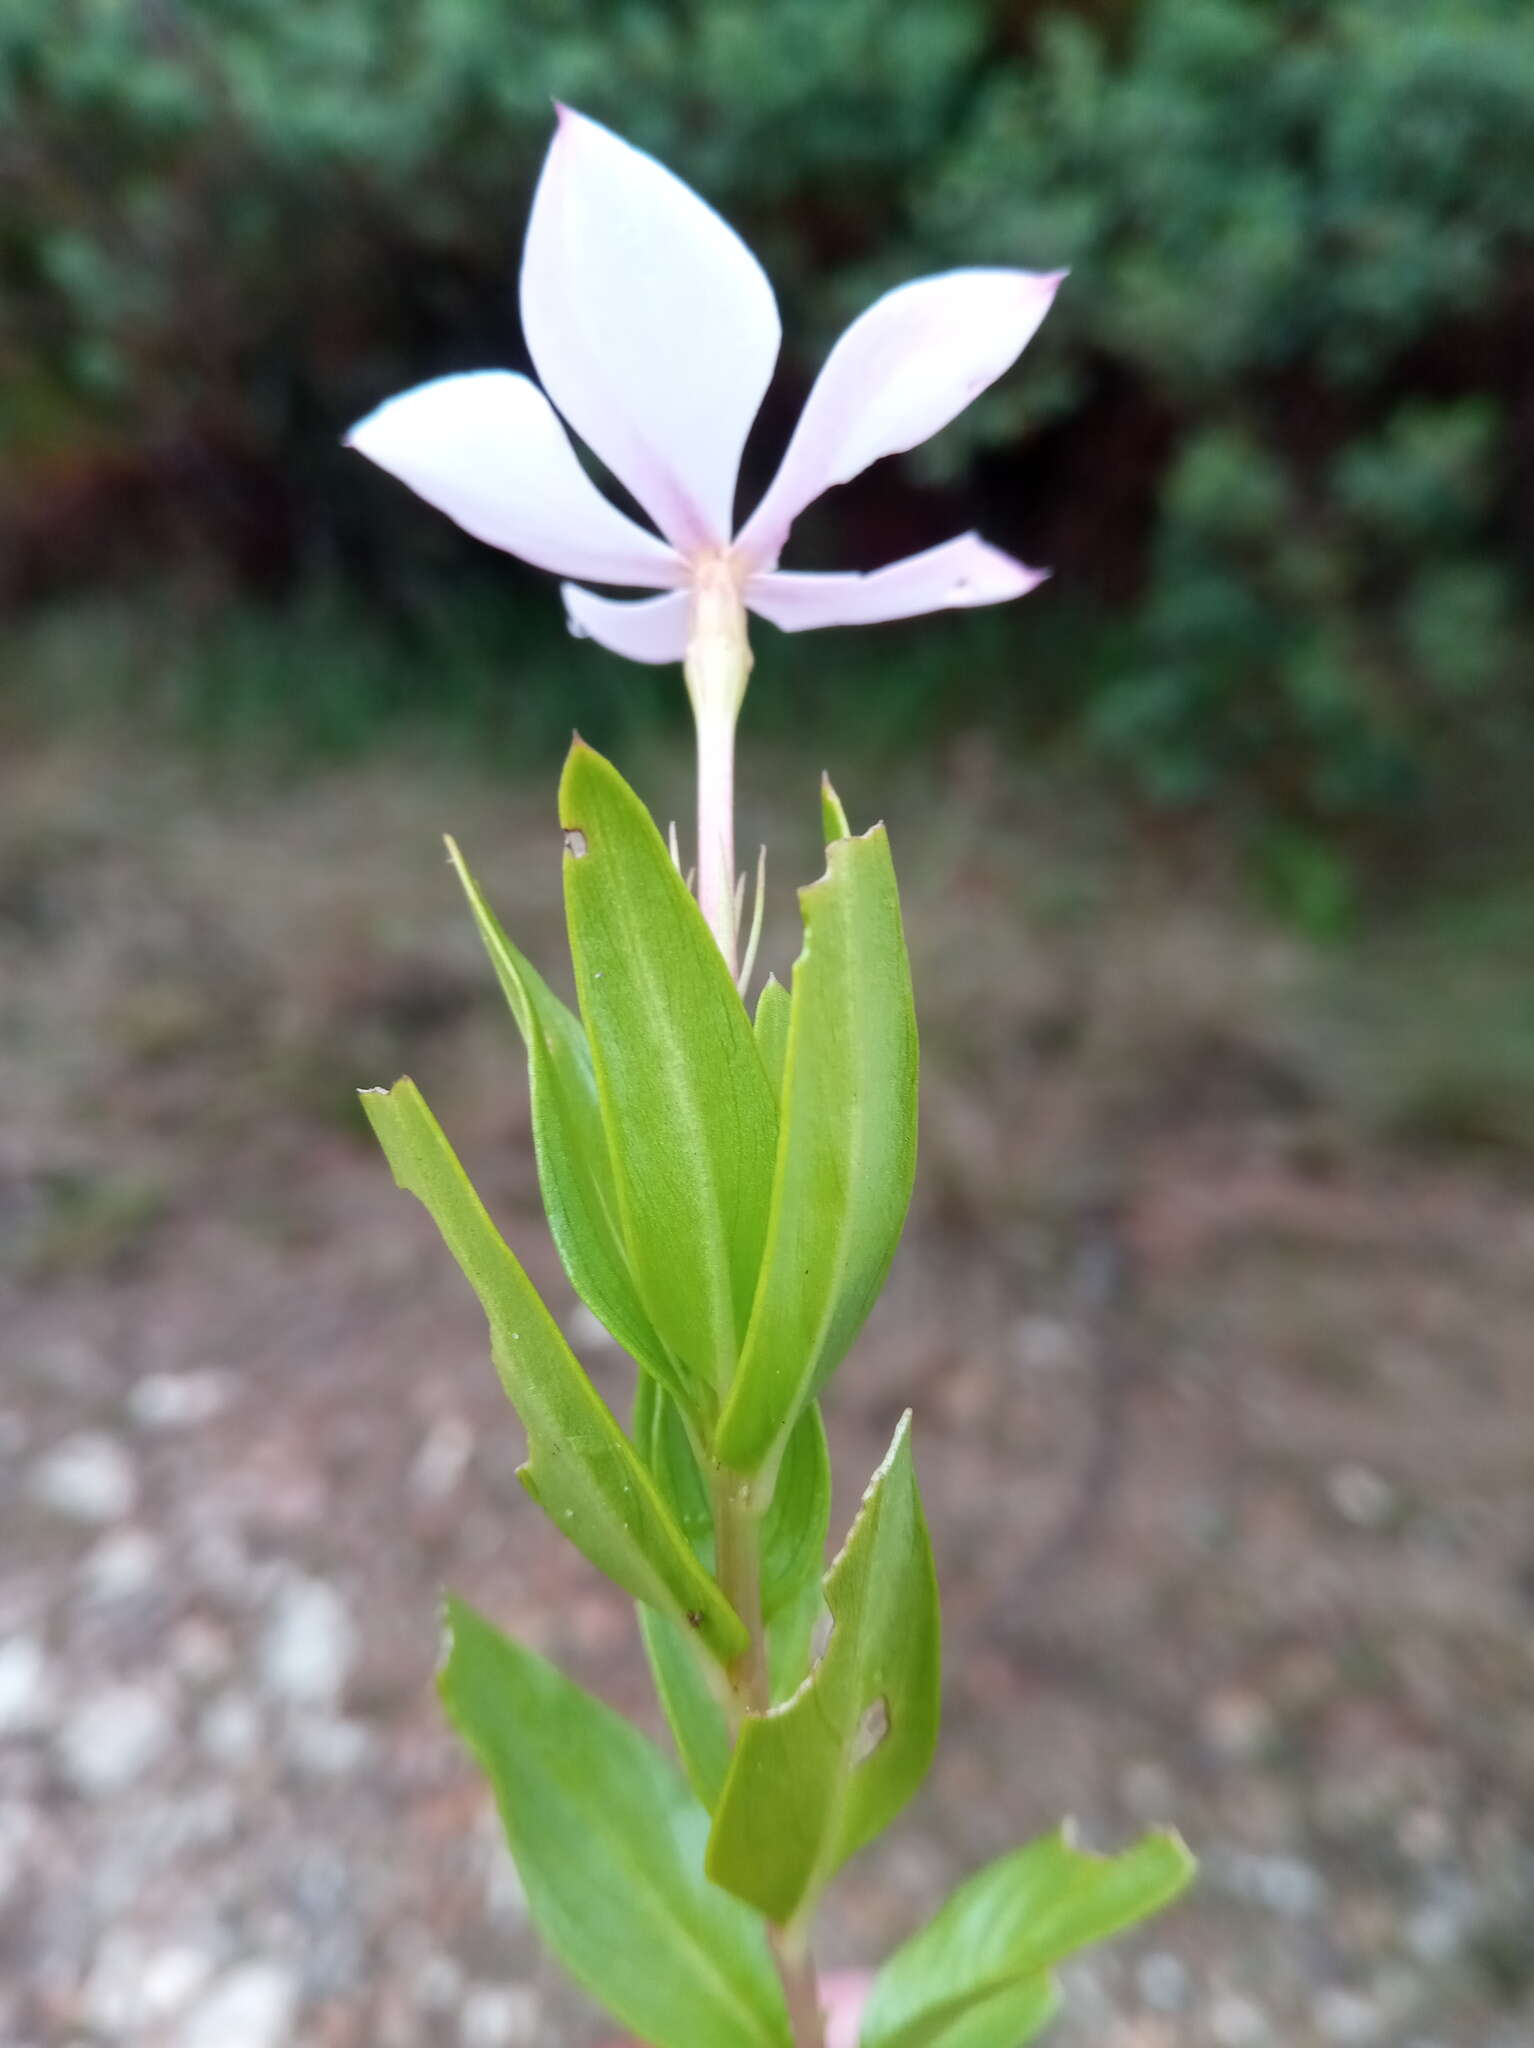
x: 655, y: 333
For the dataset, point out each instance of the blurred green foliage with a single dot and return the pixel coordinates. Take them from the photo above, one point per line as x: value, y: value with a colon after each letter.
x: 1281, y: 420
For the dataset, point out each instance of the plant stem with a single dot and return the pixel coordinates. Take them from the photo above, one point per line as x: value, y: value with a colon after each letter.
x: 737, y: 1554
x: 738, y: 1568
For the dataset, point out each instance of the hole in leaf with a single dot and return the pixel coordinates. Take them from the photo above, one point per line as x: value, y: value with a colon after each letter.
x: 872, y: 1729
x: 575, y: 843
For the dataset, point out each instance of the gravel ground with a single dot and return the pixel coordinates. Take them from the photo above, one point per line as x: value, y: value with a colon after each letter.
x: 1225, y: 1423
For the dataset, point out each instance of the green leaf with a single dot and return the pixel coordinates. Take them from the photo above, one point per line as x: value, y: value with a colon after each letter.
x: 814, y: 1779
x: 574, y: 1170
x: 1007, y: 2019
x: 694, y: 1712
x: 609, y: 1846
x: 833, y: 819
x: 846, y: 1149
x: 1005, y: 1929
x: 581, y: 1468
x: 690, y: 1117
x: 771, y: 1026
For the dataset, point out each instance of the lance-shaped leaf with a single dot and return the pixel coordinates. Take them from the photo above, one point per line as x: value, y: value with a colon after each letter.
x: 846, y: 1148
x: 609, y: 1846
x: 771, y: 1027
x: 581, y: 1468
x: 966, y: 1979
x: 574, y: 1170
x: 689, y: 1112
x: 814, y: 1779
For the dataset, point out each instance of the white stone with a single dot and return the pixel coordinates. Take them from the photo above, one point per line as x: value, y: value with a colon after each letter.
x: 122, y: 1565
x: 1236, y: 2022
x: 1284, y: 1884
x: 132, y: 1987
x: 1237, y: 1724
x: 587, y: 1332
x: 112, y: 1738
x: 1361, y: 1497
x: 230, y: 1729
x: 1164, y: 1980
x: 499, y: 2016
x: 201, y: 1651
x: 1348, y: 2018
x: 310, y: 1643
x: 438, y: 1982
x: 88, y: 1477
x: 172, y: 1978
x: 440, y: 1463
x: 250, y: 2007
x: 1045, y: 1343
x: 179, y: 1400
x: 326, y: 1747
x: 26, y: 1686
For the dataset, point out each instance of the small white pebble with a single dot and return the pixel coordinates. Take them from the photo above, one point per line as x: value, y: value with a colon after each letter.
x: 499, y: 2016
x: 442, y: 1460
x: 26, y: 1686
x: 179, y: 1400
x: 1361, y: 1497
x: 121, y: 1565
x: 251, y: 2007
x: 88, y: 1477
x: 326, y: 1747
x: 1164, y: 1980
x: 1238, y: 2023
x: 1045, y: 1343
x: 1237, y: 1725
x: 310, y: 1643
x: 588, y: 1332
x: 1348, y: 2018
x: 438, y: 1982
x: 112, y: 1738
x: 230, y: 1729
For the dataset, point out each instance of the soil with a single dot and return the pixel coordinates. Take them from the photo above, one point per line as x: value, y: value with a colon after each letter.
x: 1224, y: 1421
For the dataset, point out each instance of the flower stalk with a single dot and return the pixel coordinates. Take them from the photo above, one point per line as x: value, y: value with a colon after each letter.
x: 717, y: 668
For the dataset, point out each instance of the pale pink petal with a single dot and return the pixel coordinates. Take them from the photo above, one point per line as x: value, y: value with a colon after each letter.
x: 902, y: 370
x: 651, y: 324
x: 843, y: 1995
x: 962, y: 572
x: 488, y: 450
x: 644, y: 629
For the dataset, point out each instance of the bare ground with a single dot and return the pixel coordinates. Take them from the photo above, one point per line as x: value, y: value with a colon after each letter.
x: 1224, y: 1398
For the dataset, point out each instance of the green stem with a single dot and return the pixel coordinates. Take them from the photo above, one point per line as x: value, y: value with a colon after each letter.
x: 717, y: 668
x: 737, y: 1554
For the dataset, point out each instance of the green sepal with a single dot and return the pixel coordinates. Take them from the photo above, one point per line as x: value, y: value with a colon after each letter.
x: 833, y: 819
x: 689, y: 1113
x: 968, y: 1977
x: 581, y: 1468
x: 814, y: 1779
x: 570, y: 1144
x: 771, y: 1027
x: 846, y: 1149
x: 608, y: 1844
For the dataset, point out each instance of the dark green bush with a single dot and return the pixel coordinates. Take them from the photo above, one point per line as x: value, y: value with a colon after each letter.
x: 1282, y: 418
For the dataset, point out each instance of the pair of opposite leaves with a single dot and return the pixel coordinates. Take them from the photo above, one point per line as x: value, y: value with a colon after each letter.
x: 650, y: 1136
